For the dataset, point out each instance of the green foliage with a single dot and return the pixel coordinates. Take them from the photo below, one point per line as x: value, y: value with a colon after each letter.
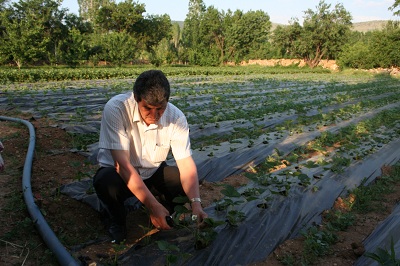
x: 206, y: 235
x: 81, y: 141
x: 368, y: 198
x: 74, y: 48
x: 384, y: 257
x: 213, y: 37
x: 117, y: 47
x: 375, y: 49
x: 88, y: 73
x: 253, y: 193
x: 339, y: 163
x: 164, y: 53
x: 319, y: 240
x: 35, y: 32
x: 317, y: 243
x: 356, y: 55
x: 247, y: 35
x: 32, y: 30
x: 119, y: 17
x: 230, y: 191
x: 173, y: 252
x: 339, y: 220
x: 384, y: 45
x: 394, y: 6
x: 322, y: 35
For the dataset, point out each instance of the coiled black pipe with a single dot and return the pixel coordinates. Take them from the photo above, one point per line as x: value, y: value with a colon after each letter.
x: 48, y: 236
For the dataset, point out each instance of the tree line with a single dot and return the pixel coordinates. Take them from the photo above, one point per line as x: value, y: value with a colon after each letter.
x: 40, y: 32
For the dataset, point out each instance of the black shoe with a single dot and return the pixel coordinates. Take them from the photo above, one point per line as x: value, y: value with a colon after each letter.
x: 117, y: 232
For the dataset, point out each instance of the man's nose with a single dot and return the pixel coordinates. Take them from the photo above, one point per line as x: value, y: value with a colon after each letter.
x: 154, y: 113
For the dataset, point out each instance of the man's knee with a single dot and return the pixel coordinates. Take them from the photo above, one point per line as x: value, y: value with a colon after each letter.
x: 172, y: 175
x: 106, y: 178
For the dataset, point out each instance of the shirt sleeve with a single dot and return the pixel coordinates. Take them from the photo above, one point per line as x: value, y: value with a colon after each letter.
x: 113, y: 135
x: 180, y: 141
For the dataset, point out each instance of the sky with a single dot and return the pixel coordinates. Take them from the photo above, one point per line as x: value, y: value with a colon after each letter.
x: 279, y: 11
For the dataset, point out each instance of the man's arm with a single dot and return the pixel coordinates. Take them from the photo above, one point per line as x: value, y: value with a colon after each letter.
x: 190, y: 183
x: 136, y: 185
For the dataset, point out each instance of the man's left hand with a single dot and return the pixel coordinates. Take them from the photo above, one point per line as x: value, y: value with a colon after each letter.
x: 198, y: 213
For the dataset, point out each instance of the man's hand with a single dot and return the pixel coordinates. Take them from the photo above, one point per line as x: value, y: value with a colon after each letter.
x: 198, y: 213
x: 190, y: 184
x: 158, y: 214
x: 136, y: 185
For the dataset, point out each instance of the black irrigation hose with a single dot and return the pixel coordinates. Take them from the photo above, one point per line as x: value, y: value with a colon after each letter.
x: 51, y: 240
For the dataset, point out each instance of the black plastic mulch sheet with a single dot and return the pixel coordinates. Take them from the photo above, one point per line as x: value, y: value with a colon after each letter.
x: 264, y: 229
x: 382, y: 237
x: 219, y: 167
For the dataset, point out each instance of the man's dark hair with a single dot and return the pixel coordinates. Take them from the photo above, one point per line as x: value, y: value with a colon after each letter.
x: 152, y: 86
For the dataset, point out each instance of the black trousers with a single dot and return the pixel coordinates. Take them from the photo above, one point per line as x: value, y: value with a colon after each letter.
x: 113, y: 191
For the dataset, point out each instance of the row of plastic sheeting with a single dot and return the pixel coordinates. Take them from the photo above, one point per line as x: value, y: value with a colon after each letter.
x: 264, y: 229
x: 384, y: 237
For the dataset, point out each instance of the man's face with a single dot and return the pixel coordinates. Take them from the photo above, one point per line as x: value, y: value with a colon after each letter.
x: 151, y: 113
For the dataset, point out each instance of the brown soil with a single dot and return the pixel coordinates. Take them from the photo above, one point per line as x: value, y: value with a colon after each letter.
x: 76, y: 223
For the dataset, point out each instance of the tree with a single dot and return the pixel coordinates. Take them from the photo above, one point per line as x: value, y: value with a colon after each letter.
x: 73, y: 48
x: 176, y: 35
x: 114, y: 47
x: 120, y: 17
x: 247, y: 34
x: 212, y: 37
x: 212, y: 33
x: 128, y: 17
x: 151, y: 30
x: 164, y: 52
x: 89, y: 8
x: 284, y: 38
x: 394, y: 6
x: 323, y: 34
x: 33, y: 30
x: 3, y: 9
x: 190, y: 36
x: 356, y: 55
x: 384, y: 46
x: 377, y: 48
x: 119, y: 47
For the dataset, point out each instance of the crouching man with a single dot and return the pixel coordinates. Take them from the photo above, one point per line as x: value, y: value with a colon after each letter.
x: 137, y: 131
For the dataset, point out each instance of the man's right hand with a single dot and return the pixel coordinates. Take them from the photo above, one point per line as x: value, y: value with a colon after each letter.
x: 157, y: 216
x: 136, y: 185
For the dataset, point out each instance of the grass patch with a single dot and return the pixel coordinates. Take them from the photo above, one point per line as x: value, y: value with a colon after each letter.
x: 369, y: 198
x: 80, y: 141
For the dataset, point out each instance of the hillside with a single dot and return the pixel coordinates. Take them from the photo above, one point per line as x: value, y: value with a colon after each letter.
x: 369, y: 25
x: 359, y: 26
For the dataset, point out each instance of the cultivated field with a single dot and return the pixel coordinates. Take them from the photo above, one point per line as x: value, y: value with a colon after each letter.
x: 302, y: 139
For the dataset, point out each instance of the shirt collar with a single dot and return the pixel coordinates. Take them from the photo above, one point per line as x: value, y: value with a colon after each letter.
x: 136, y: 113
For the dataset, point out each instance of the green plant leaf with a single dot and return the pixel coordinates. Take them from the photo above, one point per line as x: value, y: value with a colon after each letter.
x: 311, y: 164
x: 181, y: 200
x: 165, y: 246
x: 230, y: 191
